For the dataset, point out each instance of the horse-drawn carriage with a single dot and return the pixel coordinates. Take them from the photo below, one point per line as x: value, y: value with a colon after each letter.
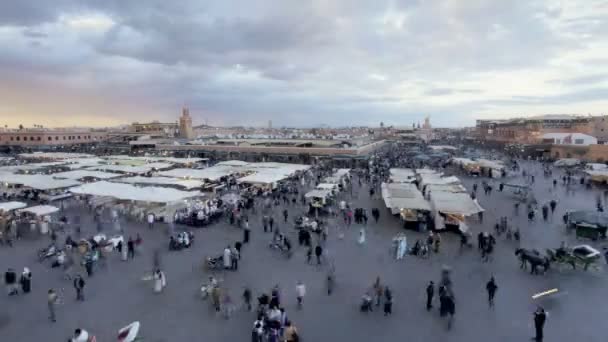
x: 582, y: 255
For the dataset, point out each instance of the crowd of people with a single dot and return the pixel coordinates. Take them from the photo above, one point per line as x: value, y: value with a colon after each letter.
x: 268, y: 213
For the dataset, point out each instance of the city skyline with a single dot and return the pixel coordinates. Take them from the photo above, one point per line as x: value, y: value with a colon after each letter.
x: 300, y: 64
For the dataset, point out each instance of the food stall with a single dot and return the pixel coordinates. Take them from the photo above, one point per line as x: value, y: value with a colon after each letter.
x: 319, y: 199
x: 6, y: 207
x: 39, y: 214
x: 588, y: 224
x: 451, y: 210
x: 407, y: 201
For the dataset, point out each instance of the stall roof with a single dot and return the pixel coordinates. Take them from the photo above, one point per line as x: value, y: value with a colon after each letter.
x: 567, y: 162
x: 39, y: 182
x: 54, y: 155
x: 80, y: 174
x: 212, y: 173
x: 160, y: 159
x: 442, y: 147
x: 454, y: 203
x: 29, y: 167
x: 426, y: 171
x: 332, y: 180
x: 233, y: 163
x: 402, y: 175
x: 40, y: 210
x: 134, y: 193
x: 262, y: 178
x: 326, y: 186
x: 589, y: 216
x: 9, y: 206
x: 446, y: 187
x: 398, y: 196
x: 341, y: 172
x: 82, y: 163
x: 440, y: 180
x: 123, y: 168
x: 492, y: 164
x: 184, y: 183
x: 318, y: 193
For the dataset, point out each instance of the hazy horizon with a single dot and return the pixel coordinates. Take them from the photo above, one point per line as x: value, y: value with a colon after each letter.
x: 299, y: 64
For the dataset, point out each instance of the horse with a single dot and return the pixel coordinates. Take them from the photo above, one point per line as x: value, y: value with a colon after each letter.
x: 534, y: 258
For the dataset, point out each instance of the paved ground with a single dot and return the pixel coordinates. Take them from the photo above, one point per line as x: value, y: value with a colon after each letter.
x: 117, y: 295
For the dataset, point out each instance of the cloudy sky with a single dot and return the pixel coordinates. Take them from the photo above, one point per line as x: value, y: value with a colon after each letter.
x: 300, y: 62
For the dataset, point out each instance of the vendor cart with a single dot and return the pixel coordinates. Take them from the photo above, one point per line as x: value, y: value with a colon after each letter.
x: 589, y: 224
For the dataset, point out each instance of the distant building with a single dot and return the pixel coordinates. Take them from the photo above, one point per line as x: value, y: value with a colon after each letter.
x: 426, y: 131
x: 578, y: 139
x: 166, y: 129
x: 185, y: 125
x: 42, y: 137
x: 269, y: 124
x: 531, y: 130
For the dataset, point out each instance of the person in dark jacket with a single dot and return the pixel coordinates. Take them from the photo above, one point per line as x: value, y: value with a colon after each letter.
x: 430, y: 292
x: 79, y: 286
x: 388, y: 301
x: 318, y: 253
x: 491, y: 287
x: 10, y: 279
x: 540, y: 316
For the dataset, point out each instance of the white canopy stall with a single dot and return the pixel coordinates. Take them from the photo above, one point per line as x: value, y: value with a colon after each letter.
x: 452, y: 208
x: 399, y: 196
x: 81, y: 174
x: 265, y: 179
x: 318, y: 198
x: 183, y: 183
x: 163, y: 202
x: 402, y: 175
x: 40, y: 210
x: 10, y: 206
x: 38, y: 182
x: 134, y: 193
x: 566, y: 162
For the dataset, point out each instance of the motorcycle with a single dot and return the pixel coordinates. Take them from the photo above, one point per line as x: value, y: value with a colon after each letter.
x: 183, y: 240
x: 48, y: 252
x: 216, y: 263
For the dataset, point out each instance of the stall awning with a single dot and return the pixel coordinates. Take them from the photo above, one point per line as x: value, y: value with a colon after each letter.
x: 398, y: 196
x: 134, y: 193
x: 454, y: 203
x: 326, y: 186
x: 80, y: 174
x: 40, y: 210
x: 316, y: 193
x: 38, y: 182
x: 9, y: 206
x: 184, y: 183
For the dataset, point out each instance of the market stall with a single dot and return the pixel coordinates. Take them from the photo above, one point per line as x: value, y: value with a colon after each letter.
x: 402, y: 175
x: 6, y: 207
x: 451, y: 209
x: 407, y: 201
x: 318, y: 199
x: 39, y: 216
x: 168, y: 181
x: 588, y: 224
x: 140, y: 201
x: 567, y: 162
